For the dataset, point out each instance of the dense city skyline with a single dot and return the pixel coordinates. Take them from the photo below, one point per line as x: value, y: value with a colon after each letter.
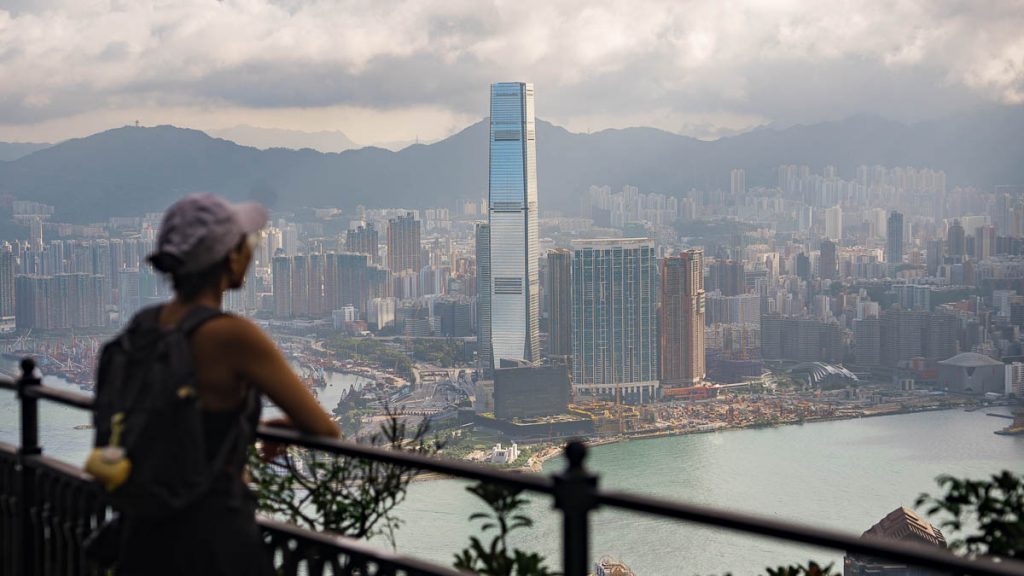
x: 678, y: 258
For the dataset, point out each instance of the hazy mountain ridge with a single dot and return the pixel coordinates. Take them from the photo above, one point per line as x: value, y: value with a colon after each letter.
x: 266, y: 138
x: 133, y: 170
x: 13, y: 150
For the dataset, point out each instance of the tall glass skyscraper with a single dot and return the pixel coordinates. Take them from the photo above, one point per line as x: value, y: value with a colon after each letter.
x: 512, y: 211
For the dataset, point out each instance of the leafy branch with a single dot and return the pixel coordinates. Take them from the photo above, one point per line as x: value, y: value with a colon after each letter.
x: 995, y: 505
x: 351, y: 496
x: 497, y: 559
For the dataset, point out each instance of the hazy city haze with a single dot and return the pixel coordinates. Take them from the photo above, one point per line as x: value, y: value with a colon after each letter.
x: 395, y: 71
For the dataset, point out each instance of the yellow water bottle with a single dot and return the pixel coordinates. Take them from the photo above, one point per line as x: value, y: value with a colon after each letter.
x: 110, y: 464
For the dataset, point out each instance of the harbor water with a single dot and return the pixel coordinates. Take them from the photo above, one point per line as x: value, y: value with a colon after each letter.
x: 843, y: 475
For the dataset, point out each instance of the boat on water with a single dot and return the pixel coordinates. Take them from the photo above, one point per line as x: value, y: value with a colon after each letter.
x: 608, y: 566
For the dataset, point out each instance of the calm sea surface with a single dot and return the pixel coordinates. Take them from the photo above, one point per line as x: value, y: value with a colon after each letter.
x: 842, y: 475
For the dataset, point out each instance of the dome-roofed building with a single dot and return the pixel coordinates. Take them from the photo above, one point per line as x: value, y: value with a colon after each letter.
x: 904, y: 525
x: 971, y: 373
x: 822, y: 375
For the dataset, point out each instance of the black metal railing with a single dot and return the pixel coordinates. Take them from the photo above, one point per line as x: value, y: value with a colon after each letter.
x: 47, y: 508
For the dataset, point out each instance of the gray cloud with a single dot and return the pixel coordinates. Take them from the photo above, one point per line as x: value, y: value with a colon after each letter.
x: 667, y: 63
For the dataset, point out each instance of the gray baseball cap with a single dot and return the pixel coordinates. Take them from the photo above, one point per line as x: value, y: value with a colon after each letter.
x: 201, y: 229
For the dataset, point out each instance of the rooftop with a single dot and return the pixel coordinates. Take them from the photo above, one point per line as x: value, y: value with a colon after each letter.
x: 970, y: 360
x: 904, y: 524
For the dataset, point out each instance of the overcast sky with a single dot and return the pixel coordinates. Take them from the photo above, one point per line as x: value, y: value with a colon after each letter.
x: 382, y: 70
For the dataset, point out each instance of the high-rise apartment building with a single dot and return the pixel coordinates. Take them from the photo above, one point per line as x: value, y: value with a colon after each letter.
x: 682, y: 319
x: 404, y: 244
x: 800, y: 339
x: 615, y: 345
x: 281, y: 270
x: 353, y: 273
x: 738, y: 181
x: 834, y: 223
x: 559, y: 295
x: 894, y: 238
x: 984, y: 242
x: 60, y: 302
x: 300, y: 286
x: 485, y: 356
x: 363, y: 239
x: 512, y: 211
x: 729, y: 277
x: 7, y: 272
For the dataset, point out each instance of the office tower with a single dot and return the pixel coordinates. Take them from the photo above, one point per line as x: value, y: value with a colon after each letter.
x: 455, y: 316
x: 834, y: 223
x: 933, y: 256
x: 364, y: 240
x: 682, y: 319
x: 403, y: 244
x: 738, y: 181
x: 485, y: 357
x: 955, y: 241
x: 512, y: 212
x: 803, y: 266
x: 828, y: 263
x: 615, y: 346
x: 282, y: 285
x: 894, y: 238
x: 729, y: 277
x: 559, y: 295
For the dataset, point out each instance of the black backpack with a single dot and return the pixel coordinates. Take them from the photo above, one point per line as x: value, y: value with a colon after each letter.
x: 147, y: 404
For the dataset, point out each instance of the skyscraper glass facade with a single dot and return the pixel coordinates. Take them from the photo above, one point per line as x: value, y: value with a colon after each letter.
x: 512, y: 212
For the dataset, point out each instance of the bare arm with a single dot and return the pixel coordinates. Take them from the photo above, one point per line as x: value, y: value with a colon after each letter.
x: 260, y: 362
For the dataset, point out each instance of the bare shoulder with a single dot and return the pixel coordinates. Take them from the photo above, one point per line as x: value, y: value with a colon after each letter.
x: 232, y: 332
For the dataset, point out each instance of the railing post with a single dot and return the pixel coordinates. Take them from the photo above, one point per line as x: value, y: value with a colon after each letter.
x: 26, y: 554
x: 575, y: 497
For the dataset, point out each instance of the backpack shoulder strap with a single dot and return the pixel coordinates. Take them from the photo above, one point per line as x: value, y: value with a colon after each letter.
x: 146, y: 318
x: 196, y: 317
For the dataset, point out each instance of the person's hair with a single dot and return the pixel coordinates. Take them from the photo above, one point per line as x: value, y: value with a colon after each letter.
x: 189, y: 286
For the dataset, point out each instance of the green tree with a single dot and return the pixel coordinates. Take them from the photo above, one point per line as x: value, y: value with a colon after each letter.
x: 497, y: 559
x: 995, y: 506
x: 349, y: 496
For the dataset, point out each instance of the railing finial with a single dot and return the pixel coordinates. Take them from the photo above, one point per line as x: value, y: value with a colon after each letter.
x: 576, y: 453
x: 28, y: 367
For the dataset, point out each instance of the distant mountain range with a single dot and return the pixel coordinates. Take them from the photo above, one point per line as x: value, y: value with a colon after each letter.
x: 14, y: 150
x: 265, y: 138
x: 130, y: 170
